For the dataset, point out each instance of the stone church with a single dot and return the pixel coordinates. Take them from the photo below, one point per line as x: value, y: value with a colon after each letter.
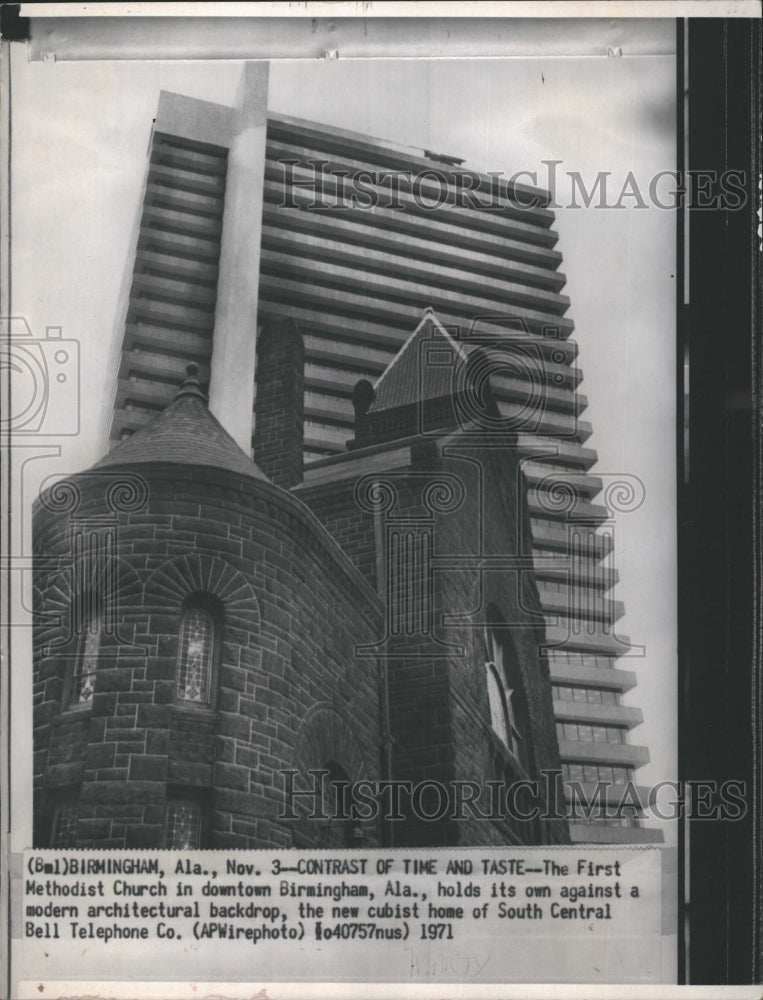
x: 227, y: 648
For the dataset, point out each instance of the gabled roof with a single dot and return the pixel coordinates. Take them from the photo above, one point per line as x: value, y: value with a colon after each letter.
x: 423, y: 368
x: 184, y: 433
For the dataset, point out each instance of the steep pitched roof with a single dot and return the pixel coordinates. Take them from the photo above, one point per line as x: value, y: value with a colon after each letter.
x: 184, y: 433
x: 422, y: 369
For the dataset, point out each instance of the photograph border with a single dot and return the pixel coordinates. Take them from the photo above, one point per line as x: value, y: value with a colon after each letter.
x: 720, y: 463
x: 719, y: 495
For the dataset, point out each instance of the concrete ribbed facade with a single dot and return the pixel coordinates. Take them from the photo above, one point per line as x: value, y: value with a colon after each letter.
x: 356, y: 281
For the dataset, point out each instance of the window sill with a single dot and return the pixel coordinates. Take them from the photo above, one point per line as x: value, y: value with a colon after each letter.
x: 507, y: 758
x: 72, y: 712
x: 193, y: 709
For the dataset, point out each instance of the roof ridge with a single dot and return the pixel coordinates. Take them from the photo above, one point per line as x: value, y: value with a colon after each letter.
x: 432, y: 321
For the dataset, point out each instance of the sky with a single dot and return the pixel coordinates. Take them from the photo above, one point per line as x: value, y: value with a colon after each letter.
x: 79, y: 141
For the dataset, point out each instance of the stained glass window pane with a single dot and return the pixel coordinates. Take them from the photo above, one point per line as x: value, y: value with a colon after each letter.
x: 83, y: 680
x: 183, y: 824
x: 65, y: 825
x: 497, y: 711
x: 195, y: 655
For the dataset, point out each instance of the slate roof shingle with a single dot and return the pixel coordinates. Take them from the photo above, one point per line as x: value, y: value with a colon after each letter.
x: 184, y: 433
x: 422, y: 369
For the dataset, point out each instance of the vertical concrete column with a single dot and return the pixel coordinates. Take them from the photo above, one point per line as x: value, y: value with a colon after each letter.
x: 231, y: 390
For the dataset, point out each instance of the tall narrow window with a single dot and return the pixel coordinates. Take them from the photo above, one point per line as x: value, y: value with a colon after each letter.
x: 182, y: 827
x: 65, y: 818
x: 497, y: 703
x: 504, y: 698
x: 90, y: 625
x: 199, y: 639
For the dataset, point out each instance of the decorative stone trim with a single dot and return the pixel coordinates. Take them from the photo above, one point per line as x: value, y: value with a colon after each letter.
x: 169, y: 585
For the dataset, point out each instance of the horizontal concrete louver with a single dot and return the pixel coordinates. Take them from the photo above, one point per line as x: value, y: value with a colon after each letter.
x: 170, y: 310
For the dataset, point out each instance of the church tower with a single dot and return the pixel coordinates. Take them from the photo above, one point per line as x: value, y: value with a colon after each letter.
x: 200, y: 642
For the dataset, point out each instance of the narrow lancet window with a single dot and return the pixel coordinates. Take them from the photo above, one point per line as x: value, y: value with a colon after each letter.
x: 196, y: 653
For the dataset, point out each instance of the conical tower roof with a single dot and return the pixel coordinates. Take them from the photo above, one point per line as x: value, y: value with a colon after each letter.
x: 184, y: 433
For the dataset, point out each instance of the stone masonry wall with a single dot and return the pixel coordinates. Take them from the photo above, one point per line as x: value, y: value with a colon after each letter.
x: 294, y: 608
x: 439, y: 716
x: 352, y: 527
x: 490, y: 524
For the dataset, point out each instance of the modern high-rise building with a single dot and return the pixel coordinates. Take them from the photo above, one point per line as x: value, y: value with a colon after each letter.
x: 250, y: 220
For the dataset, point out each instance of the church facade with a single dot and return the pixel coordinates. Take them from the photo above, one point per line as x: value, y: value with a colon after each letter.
x: 246, y: 660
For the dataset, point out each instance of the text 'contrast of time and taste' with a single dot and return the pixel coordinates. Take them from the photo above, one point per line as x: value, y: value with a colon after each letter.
x: 260, y: 897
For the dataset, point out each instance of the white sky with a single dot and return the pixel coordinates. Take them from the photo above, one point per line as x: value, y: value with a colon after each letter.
x: 80, y: 134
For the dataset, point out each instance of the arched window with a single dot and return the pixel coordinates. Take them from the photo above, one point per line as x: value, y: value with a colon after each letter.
x: 505, y: 697
x: 200, y: 628
x: 496, y: 699
x: 88, y: 623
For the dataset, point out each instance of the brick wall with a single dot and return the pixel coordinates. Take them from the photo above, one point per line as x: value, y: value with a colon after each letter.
x: 279, y: 403
x: 504, y: 596
x: 439, y: 712
x: 353, y: 528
